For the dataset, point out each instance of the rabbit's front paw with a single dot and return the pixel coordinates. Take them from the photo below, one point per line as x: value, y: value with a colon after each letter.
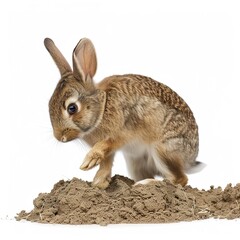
x: 101, y: 183
x: 91, y: 160
x: 102, y: 179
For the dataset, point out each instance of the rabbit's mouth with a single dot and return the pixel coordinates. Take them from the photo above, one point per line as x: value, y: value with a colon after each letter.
x: 66, y: 135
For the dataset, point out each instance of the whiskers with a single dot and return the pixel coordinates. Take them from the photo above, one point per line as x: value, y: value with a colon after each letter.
x: 81, y: 144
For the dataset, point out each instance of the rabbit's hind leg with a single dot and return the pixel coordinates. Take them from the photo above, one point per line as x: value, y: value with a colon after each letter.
x: 170, y: 165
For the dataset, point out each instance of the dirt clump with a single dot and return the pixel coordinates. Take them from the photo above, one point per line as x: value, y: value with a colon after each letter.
x: 77, y: 202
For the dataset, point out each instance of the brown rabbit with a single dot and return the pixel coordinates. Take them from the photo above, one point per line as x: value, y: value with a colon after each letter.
x: 148, y: 121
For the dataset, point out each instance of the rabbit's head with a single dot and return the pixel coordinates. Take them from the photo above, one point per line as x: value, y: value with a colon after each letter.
x: 76, y: 106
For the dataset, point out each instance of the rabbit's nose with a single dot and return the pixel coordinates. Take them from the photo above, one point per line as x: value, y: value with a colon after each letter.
x: 63, y: 139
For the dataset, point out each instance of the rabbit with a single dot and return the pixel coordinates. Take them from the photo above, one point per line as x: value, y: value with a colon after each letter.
x: 145, y: 119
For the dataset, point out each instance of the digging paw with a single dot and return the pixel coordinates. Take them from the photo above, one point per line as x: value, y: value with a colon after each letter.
x: 91, y: 160
x: 101, y: 183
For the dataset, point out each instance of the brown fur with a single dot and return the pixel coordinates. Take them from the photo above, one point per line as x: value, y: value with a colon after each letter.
x: 120, y: 112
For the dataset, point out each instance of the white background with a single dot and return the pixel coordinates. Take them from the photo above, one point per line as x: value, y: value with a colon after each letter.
x: 192, y: 46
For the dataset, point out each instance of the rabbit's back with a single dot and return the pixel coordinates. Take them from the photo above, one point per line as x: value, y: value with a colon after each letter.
x: 138, y: 86
x: 149, y: 107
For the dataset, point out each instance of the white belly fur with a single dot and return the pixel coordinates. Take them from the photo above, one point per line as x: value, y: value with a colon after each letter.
x: 142, y: 161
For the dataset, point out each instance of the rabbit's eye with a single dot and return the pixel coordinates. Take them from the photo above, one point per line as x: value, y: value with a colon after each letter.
x: 72, y: 108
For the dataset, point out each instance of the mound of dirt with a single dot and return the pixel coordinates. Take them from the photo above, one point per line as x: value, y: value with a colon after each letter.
x: 77, y: 202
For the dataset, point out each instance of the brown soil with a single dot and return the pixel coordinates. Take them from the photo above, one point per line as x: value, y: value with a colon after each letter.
x: 76, y: 202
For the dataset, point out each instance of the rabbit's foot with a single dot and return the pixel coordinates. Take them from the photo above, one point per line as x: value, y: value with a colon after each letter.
x: 101, y: 182
x: 145, y: 181
x: 91, y: 160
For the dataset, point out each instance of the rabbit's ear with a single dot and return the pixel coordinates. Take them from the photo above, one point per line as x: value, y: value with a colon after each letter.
x: 84, y: 60
x: 57, y: 56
